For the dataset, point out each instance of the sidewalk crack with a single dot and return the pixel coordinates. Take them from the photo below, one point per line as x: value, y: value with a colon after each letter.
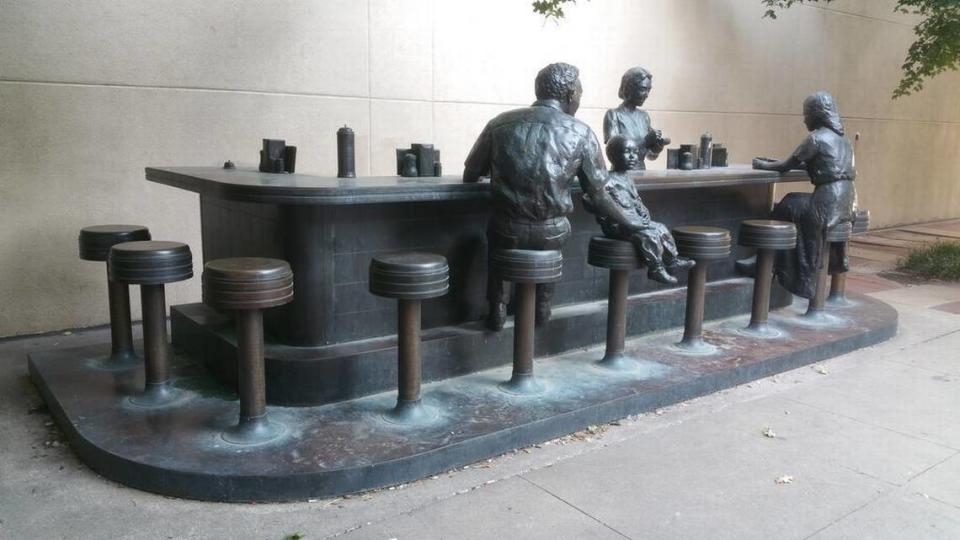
x: 566, y: 502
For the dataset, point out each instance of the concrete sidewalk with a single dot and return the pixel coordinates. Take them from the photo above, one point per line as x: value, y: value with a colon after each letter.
x: 865, y: 445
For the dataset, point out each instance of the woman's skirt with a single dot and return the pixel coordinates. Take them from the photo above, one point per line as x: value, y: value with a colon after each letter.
x: 813, y: 213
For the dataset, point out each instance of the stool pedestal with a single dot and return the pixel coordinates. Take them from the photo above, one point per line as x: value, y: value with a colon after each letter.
x: 152, y: 264
x: 246, y: 286
x: 409, y: 278
x: 768, y: 236
x: 702, y: 245
x: 525, y: 269
x: 95, y: 243
x: 620, y: 258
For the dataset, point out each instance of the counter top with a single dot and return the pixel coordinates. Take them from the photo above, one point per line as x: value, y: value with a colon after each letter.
x: 250, y: 185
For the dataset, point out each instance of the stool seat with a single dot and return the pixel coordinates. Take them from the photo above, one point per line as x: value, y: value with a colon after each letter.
x: 840, y: 232
x: 861, y: 221
x: 409, y: 276
x: 247, y: 283
x: 613, y: 254
x: 96, y: 241
x: 527, y: 265
x: 150, y: 262
x: 702, y: 243
x: 768, y: 234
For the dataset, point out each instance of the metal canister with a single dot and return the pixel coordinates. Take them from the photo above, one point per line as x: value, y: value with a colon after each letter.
x: 706, y: 150
x: 346, y: 166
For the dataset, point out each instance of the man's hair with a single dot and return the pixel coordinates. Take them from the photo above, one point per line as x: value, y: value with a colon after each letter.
x: 631, y: 80
x: 557, y: 81
x: 615, y: 147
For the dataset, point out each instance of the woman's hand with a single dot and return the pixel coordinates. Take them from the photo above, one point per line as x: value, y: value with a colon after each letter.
x: 762, y: 163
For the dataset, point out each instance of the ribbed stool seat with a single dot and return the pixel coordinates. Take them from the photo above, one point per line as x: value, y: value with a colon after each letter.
x: 95, y: 243
x: 767, y: 234
x: 527, y: 266
x: 861, y: 221
x: 150, y: 262
x: 620, y: 257
x: 840, y: 232
x: 613, y: 254
x: 409, y: 276
x: 247, y: 283
x: 702, y: 243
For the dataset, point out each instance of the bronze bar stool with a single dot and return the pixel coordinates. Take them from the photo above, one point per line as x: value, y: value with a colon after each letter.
x: 620, y: 258
x: 767, y: 236
x: 409, y: 278
x: 95, y: 243
x: 246, y: 286
x: 702, y: 244
x: 151, y: 264
x: 525, y: 268
x: 838, y: 280
x: 815, y: 309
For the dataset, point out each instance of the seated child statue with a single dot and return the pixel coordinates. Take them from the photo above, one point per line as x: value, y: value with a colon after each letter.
x: 652, y: 240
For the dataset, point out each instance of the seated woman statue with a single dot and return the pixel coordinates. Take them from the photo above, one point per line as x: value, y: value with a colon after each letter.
x: 632, y: 122
x: 652, y: 240
x: 828, y: 158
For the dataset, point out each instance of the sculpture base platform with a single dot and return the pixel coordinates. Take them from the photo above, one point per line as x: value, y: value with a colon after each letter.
x: 348, y: 447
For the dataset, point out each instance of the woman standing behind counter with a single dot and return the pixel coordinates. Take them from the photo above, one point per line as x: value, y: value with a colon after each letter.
x: 630, y: 121
x: 828, y: 158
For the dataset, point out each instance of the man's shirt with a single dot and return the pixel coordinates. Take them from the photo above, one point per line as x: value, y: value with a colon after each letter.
x: 532, y: 156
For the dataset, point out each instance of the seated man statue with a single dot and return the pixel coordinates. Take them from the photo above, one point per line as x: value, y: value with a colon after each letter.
x: 532, y: 156
x: 653, y: 240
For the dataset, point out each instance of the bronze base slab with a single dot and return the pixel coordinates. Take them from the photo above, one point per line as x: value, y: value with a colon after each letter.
x: 347, y: 447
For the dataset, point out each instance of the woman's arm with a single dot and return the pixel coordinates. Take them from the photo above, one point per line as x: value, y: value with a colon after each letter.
x: 767, y: 164
x: 807, y: 150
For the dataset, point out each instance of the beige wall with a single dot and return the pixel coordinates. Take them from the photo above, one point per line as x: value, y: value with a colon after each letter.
x: 91, y: 92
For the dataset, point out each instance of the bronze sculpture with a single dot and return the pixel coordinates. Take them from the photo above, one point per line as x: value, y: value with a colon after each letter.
x: 630, y: 121
x: 827, y: 155
x: 532, y: 156
x: 653, y: 240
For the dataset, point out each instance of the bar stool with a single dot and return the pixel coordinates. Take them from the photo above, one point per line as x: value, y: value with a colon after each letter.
x: 815, y: 309
x: 620, y: 258
x: 702, y: 245
x: 767, y: 236
x: 95, y: 243
x: 525, y: 268
x: 151, y: 264
x: 838, y: 280
x: 246, y: 286
x: 409, y: 278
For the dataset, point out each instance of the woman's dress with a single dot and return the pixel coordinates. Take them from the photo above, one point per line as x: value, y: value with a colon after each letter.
x: 828, y: 158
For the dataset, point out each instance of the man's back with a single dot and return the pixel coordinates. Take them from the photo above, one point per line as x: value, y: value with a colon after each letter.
x: 532, y: 156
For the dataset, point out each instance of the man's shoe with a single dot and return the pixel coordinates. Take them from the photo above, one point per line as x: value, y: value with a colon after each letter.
x: 660, y: 274
x: 543, y: 313
x: 497, y: 316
